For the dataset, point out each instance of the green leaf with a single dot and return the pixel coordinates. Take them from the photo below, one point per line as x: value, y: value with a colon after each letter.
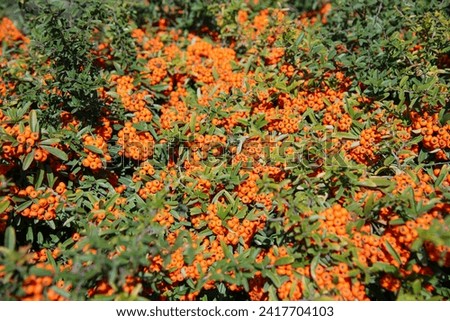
x: 10, y: 238
x: 274, y: 277
x: 62, y: 293
x: 417, y: 286
x: 49, y: 141
x: 314, y: 264
x: 370, y: 203
x: 226, y: 250
x: 443, y: 174
x: 34, y: 125
x: 30, y: 234
x: 51, y: 260
x: 51, y: 224
x: 284, y: 260
x: 393, y: 252
x: 4, y: 205
x: 385, y: 267
x: 28, y: 160
x: 40, y: 272
x: 376, y: 182
x: 56, y: 152
x: 403, y: 81
x: 94, y: 149
x: 111, y: 201
x: 23, y: 206
x: 39, y: 178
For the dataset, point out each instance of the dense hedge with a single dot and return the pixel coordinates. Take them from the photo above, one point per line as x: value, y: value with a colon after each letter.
x: 219, y: 150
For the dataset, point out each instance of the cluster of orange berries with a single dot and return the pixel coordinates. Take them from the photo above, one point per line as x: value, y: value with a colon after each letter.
x: 176, y: 110
x: 150, y: 187
x: 135, y: 145
x: 283, y: 116
x: 103, y: 52
x: 335, y: 117
x: 253, y: 150
x: 230, y: 231
x: 102, y: 287
x: 365, y: 150
x: 288, y: 70
x: 164, y: 218
x: 422, y: 188
x: 211, y: 68
x: 10, y: 34
x: 157, y: 70
x: 44, y: 202
x: 394, y: 246
x: 131, y: 99
x: 234, y: 229
x: 34, y: 286
x: 93, y: 159
x: 151, y: 46
x: 335, y: 219
x: 145, y: 169
x: 247, y: 191
x: 436, y: 137
x: 42, y: 255
x: 315, y: 99
x: 100, y: 213
x: 38, y: 288
x: 25, y: 142
x: 390, y: 283
x: 438, y: 253
x: 336, y: 280
x: 312, y: 17
x: 232, y: 120
x: 275, y: 55
x: 130, y: 283
x: 69, y: 120
x: 204, y: 146
x: 369, y: 247
x: 294, y: 287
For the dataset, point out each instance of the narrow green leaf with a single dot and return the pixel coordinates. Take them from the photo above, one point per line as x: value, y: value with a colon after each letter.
x: 94, y: 149
x: 34, y: 125
x: 111, y: 201
x: 393, y: 252
x: 39, y: 178
x: 49, y: 141
x: 417, y: 286
x: 370, y: 203
x: 28, y: 160
x: 56, y: 152
x: 403, y: 81
x: 314, y: 264
x: 4, y: 205
x: 284, y: 260
x: 23, y: 206
x: 443, y: 174
x: 226, y: 251
x: 40, y: 272
x: 30, y: 234
x: 385, y: 267
x: 51, y: 260
x: 10, y: 238
x: 61, y: 292
x: 275, y: 278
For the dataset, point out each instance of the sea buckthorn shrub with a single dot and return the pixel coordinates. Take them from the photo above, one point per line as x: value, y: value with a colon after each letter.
x: 208, y: 150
